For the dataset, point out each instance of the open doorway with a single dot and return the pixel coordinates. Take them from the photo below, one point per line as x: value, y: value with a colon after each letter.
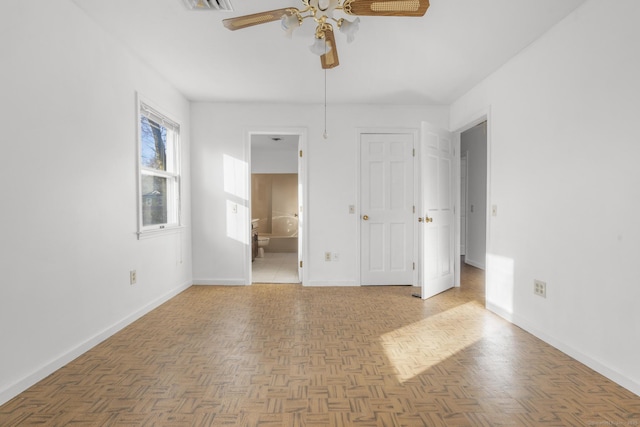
x: 275, y: 208
x: 473, y: 183
x: 473, y: 205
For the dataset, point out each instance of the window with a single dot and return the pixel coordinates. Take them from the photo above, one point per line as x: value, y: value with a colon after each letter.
x: 159, y: 166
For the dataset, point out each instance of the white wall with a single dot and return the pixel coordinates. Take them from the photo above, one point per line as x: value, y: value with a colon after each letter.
x: 68, y: 121
x: 218, y: 132
x: 474, y: 143
x: 564, y: 150
x: 274, y: 161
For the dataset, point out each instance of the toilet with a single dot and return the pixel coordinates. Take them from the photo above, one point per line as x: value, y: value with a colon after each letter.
x: 263, y: 242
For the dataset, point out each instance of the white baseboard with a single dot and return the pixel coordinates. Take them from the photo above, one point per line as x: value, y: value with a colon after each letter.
x: 219, y: 282
x: 473, y: 263
x: 39, y: 374
x: 328, y: 283
x: 241, y: 282
x: 597, y: 366
x: 499, y: 311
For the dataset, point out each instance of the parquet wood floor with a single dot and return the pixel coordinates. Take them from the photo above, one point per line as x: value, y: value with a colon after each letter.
x: 284, y: 355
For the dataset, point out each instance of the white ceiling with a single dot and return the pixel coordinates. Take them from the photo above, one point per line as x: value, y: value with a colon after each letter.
x: 281, y: 142
x: 429, y: 60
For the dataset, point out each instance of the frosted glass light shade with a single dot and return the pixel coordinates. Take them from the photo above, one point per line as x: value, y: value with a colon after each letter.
x: 208, y: 4
x: 350, y: 29
x: 289, y: 23
x: 320, y: 47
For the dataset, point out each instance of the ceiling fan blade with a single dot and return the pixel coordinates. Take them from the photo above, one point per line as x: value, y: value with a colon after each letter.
x: 330, y: 59
x: 386, y: 7
x: 245, y: 21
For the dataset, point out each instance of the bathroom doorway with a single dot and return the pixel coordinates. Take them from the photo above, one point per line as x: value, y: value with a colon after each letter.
x: 275, y: 208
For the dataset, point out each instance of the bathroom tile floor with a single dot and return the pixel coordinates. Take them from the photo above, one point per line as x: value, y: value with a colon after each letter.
x: 276, y: 267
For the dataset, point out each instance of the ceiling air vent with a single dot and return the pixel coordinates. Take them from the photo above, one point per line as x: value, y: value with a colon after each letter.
x: 208, y: 4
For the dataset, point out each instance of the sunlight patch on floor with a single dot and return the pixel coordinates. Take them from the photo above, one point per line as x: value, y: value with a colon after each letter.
x: 415, y: 348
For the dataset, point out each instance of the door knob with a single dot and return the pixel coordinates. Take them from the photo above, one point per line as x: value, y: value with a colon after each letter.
x: 365, y: 217
x: 427, y: 219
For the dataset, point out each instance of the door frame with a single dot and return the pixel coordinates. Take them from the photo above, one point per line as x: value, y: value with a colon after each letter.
x: 415, y: 133
x: 467, y: 123
x: 302, y: 183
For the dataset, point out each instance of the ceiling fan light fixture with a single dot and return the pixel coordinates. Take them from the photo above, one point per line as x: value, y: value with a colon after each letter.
x: 349, y: 28
x: 320, y: 45
x: 321, y: 11
x: 208, y: 4
x: 290, y: 22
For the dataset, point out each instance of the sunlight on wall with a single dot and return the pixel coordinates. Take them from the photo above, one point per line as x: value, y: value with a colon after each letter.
x: 236, y: 173
x: 237, y: 220
x: 500, y: 282
x: 236, y: 184
x: 415, y: 348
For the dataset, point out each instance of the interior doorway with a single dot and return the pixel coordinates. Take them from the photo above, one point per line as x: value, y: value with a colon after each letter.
x: 475, y: 212
x: 276, y: 196
x: 463, y: 203
x: 473, y: 182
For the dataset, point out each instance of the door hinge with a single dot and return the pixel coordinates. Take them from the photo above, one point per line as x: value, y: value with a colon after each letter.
x: 300, y: 153
x: 414, y: 208
x: 414, y: 152
x: 300, y: 264
x: 414, y: 265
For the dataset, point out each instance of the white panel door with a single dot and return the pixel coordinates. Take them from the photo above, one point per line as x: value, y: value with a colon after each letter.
x: 386, y: 209
x: 438, y: 229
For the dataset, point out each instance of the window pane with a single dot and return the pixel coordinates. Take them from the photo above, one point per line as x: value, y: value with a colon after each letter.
x: 154, y: 200
x: 154, y: 144
x: 159, y: 169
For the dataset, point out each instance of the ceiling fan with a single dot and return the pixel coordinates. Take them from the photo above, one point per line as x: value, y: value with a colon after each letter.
x: 321, y: 11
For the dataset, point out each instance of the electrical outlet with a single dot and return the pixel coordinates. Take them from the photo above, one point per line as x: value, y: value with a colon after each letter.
x: 133, y: 277
x: 540, y: 288
x: 327, y: 256
x: 336, y: 256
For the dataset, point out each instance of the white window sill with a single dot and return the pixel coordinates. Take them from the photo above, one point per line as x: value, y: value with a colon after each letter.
x: 157, y: 232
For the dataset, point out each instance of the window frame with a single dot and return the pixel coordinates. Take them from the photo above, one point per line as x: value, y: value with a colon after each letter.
x: 172, y: 174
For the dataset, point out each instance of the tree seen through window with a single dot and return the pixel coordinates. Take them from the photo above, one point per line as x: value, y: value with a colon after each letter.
x: 158, y: 169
